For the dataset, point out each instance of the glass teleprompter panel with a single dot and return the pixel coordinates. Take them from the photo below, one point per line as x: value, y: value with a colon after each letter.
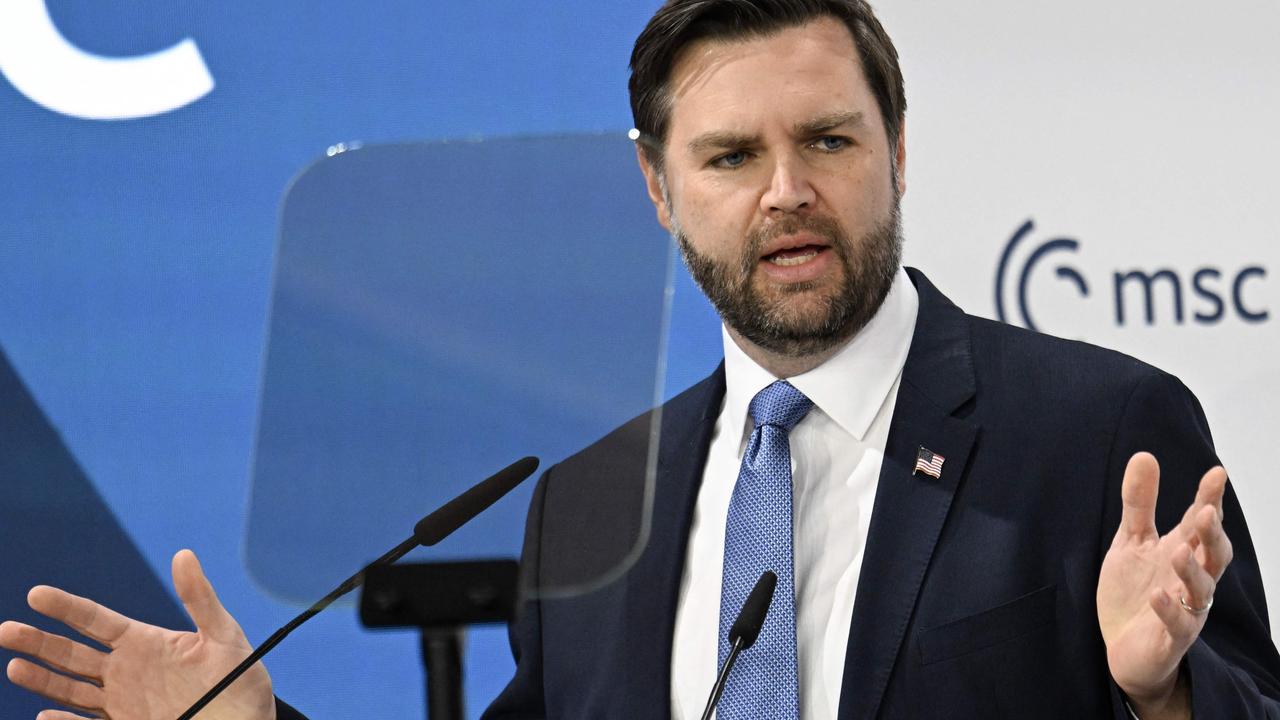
x: 440, y: 310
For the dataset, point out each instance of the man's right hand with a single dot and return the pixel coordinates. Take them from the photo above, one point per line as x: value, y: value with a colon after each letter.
x: 149, y: 673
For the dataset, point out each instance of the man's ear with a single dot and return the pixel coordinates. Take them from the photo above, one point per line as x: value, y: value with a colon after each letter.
x: 654, y: 186
x: 901, y: 155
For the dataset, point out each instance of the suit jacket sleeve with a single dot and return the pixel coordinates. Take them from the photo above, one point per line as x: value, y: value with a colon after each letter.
x: 523, y: 697
x: 284, y: 712
x: 1233, y: 667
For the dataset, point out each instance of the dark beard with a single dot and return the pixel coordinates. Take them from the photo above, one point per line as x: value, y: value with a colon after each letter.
x: 772, y: 323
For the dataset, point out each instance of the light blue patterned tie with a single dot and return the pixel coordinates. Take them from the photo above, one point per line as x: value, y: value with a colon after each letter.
x: 765, y: 682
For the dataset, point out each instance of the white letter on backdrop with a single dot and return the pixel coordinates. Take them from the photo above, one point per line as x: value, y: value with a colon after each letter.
x: 52, y: 72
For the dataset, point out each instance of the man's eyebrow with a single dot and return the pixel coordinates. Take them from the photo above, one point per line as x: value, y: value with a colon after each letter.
x: 727, y: 139
x: 822, y: 124
x: 720, y: 140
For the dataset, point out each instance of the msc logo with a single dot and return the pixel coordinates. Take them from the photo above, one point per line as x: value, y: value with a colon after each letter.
x: 1209, y: 293
x: 52, y: 72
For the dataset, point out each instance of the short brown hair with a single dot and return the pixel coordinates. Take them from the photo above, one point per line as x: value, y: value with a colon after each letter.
x: 680, y: 23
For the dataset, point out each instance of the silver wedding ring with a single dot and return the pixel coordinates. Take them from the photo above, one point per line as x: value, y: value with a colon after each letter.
x: 1182, y: 600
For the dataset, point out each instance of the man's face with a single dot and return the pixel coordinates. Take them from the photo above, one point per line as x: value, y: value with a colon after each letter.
x: 780, y: 186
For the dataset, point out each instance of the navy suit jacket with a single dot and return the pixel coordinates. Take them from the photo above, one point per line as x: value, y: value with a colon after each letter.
x: 977, y: 590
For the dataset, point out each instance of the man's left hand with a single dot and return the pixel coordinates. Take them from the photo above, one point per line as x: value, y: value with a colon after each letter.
x: 1154, y: 592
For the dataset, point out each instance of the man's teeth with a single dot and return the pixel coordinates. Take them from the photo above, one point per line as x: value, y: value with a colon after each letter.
x: 794, y: 259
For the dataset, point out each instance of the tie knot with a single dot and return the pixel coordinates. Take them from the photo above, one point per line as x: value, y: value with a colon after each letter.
x: 780, y: 405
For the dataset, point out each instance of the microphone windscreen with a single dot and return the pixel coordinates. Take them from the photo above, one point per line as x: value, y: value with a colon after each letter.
x: 454, y: 514
x: 751, y: 617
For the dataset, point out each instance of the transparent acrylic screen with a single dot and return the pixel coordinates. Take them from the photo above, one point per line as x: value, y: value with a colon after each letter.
x: 440, y: 310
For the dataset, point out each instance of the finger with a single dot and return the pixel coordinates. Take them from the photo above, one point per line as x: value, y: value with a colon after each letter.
x: 1138, y: 494
x: 60, y: 715
x: 62, y: 653
x: 1212, y: 487
x: 58, y: 688
x: 1198, y: 583
x: 198, y: 596
x: 1175, y: 619
x: 1215, y: 552
x: 1208, y: 494
x: 82, y: 614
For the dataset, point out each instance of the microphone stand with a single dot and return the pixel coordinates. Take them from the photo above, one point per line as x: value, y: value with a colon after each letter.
x: 428, y: 531
x: 440, y: 600
x: 718, y: 690
x: 442, y: 655
x: 347, y: 586
x: 742, y: 634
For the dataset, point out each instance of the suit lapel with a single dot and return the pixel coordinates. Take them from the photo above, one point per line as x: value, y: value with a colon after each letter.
x: 652, y: 586
x: 910, y: 509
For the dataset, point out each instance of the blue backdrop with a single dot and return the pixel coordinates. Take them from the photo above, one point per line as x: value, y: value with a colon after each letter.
x: 136, y: 257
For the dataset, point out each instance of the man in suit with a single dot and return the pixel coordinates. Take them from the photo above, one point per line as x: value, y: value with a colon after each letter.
x: 1023, y: 577
x: 961, y: 514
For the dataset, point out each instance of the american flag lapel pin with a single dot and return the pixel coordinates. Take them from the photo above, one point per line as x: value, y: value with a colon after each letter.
x: 929, y: 463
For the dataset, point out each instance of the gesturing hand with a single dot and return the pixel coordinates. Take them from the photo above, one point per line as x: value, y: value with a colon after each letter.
x: 1154, y: 592
x: 149, y: 673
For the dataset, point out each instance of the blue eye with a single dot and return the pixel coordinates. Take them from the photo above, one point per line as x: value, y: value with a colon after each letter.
x: 831, y: 143
x: 730, y: 160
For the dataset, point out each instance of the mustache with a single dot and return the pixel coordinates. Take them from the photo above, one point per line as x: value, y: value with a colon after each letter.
x: 823, y: 226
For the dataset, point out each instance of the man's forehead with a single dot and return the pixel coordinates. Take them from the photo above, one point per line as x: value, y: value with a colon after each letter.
x: 702, y: 57
x: 814, y: 69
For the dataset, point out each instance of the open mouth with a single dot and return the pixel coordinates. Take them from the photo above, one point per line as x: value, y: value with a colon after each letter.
x: 790, y: 257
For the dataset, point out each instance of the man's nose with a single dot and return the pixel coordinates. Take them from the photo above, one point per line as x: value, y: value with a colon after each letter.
x: 790, y: 187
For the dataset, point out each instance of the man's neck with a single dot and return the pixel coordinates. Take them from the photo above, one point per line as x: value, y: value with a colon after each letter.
x: 783, y: 366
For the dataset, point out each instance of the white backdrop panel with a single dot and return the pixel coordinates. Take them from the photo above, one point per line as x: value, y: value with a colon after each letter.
x: 1141, y: 133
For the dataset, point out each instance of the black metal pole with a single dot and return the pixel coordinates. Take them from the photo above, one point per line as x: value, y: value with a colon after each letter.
x: 442, y: 654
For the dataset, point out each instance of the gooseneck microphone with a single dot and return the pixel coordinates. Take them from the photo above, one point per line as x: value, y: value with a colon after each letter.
x: 743, y: 633
x: 428, y: 531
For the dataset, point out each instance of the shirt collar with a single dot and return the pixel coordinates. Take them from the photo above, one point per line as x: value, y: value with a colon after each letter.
x: 853, y: 384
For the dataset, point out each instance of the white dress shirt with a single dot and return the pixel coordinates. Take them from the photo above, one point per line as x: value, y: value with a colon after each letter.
x: 836, y: 453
